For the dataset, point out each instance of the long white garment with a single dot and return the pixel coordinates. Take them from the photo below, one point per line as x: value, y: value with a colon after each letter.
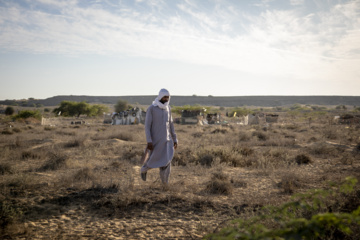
x: 159, y: 129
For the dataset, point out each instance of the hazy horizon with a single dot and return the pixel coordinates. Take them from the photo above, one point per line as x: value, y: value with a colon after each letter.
x: 220, y: 48
x: 154, y: 95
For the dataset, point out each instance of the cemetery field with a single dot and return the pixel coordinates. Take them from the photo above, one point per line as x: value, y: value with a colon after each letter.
x: 83, y: 181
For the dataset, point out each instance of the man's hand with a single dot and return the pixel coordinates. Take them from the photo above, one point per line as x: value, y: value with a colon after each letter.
x: 175, y: 145
x: 150, y: 146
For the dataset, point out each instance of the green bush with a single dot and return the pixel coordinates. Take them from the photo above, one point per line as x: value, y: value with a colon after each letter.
x: 340, y: 107
x: 121, y: 106
x: 28, y: 114
x: 70, y: 109
x: 306, y: 217
x: 9, y: 213
x: 97, y: 110
x: 196, y: 107
x: 9, y: 111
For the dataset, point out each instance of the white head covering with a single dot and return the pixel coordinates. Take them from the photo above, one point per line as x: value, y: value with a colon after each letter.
x: 163, y: 92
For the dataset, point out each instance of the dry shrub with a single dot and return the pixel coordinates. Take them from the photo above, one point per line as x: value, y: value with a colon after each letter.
x: 239, y: 183
x: 7, y: 132
x: 9, y: 214
x: 347, y: 159
x: 292, y: 127
x: 290, y: 182
x: 245, y: 151
x: 302, y: 159
x: 84, y: 175
x: 230, y: 156
x: 289, y: 136
x: 123, y: 200
x: 197, y: 135
x: 330, y: 133
x: 49, y: 128
x: 5, y: 168
x: 17, y: 130
x: 220, y: 130
x: 219, y: 184
x: 66, y: 133
x: 219, y: 174
x: 183, y: 157
x: 146, y: 197
x: 323, y: 150
x: 260, y: 135
x: 179, y: 160
x: 77, y: 142
x: 132, y: 153
x: 116, y: 165
x: 279, y: 142
x: 244, y: 137
x: 57, y: 161
x: 275, y: 157
x: 101, y: 129
x: 357, y: 148
x: 15, y: 143
x: 206, y: 159
x: 21, y: 183
x: 31, y: 154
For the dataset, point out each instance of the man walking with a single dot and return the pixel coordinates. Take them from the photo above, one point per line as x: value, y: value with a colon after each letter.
x: 160, y: 136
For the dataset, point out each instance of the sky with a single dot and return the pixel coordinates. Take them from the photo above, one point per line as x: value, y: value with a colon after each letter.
x: 190, y: 47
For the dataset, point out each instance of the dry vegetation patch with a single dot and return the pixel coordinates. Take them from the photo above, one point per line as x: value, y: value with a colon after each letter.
x: 83, y: 182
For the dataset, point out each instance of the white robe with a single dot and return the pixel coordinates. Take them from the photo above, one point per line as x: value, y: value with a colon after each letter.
x: 159, y: 129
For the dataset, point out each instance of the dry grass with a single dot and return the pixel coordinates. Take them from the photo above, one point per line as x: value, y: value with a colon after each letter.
x: 218, y: 172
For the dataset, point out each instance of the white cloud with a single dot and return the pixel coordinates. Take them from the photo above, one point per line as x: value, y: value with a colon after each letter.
x: 56, y: 3
x: 296, y: 2
x: 286, y: 42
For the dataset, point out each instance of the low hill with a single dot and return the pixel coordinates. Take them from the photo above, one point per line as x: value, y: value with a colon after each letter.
x: 235, y: 101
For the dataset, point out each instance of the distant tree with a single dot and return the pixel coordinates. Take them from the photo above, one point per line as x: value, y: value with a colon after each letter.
x: 341, y: 107
x: 28, y: 114
x: 317, y: 108
x: 296, y: 106
x: 70, y: 109
x: 121, y: 106
x: 97, y: 110
x: 65, y: 109
x: 9, y: 111
x: 81, y: 108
